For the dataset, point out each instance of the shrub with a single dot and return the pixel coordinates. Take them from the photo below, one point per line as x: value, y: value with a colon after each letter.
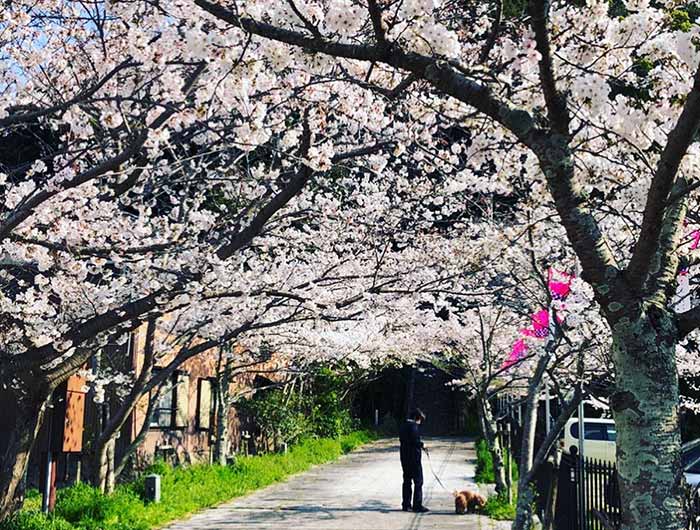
x: 484, y: 463
x: 498, y: 507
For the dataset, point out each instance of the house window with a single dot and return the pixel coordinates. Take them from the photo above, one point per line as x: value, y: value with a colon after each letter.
x: 163, y: 412
x: 172, y: 409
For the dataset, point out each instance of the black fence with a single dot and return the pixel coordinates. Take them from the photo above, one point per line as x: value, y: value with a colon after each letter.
x: 692, y: 507
x: 578, y: 495
x: 592, y: 485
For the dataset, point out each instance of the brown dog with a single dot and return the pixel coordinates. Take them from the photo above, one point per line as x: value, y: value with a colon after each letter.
x: 468, y: 501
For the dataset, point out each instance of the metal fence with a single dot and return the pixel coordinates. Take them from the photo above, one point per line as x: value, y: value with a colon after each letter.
x: 591, y: 485
x: 692, y: 507
x: 581, y: 495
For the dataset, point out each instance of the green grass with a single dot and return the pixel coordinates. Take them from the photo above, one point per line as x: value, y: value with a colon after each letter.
x: 484, y: 465
x: 184, y: 490
x: 497, y: 507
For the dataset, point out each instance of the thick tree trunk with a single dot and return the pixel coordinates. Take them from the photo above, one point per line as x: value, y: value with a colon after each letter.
x: 645, y: 408
x: 21, y: 437
x: 489, y: 430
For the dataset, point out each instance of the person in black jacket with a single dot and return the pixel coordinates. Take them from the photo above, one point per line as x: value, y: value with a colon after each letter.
x: 411, y: 446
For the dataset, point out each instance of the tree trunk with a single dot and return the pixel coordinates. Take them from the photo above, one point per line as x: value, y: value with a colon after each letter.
x: 221, y: 446
x: 523, y: 509
x: 21, y: 436
x: 526, y: 494
x: 104, y: 479
x: 490, y: 435
x: 553, y: 493
x: 645, y: 408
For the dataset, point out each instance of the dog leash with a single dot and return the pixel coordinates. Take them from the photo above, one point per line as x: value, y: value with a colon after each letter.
x: 430, y: 464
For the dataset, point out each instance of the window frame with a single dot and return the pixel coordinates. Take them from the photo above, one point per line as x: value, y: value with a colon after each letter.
x: 173, y: 381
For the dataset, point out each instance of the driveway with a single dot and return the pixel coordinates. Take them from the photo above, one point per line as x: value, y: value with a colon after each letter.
x: 360, y: 491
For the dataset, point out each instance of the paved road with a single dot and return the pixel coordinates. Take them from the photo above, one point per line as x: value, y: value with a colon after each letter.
x: 361, y: 491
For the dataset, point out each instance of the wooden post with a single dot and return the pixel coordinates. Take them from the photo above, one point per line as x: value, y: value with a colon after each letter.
x: 52, y: 482
x: 78, y: 469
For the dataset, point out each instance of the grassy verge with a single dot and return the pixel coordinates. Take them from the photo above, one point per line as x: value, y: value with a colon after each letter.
x: 497, y: 506
x: 184, y: 490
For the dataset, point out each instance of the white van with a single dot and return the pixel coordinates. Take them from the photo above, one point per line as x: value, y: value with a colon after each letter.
x: 599, y: 443
x: 598, y: 440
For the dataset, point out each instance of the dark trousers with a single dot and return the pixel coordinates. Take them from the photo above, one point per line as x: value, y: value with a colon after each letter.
x: 415, y: 475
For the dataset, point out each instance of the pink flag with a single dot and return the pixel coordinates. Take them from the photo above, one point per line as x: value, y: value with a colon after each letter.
x: 559, y: 283
x: 540, y: 325
x: 517, y: 353
x: 696, y: 239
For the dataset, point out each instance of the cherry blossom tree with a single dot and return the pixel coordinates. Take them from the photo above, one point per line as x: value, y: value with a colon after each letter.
x: 534, y: 326
x: 124, y: 196
x: 586, y: 111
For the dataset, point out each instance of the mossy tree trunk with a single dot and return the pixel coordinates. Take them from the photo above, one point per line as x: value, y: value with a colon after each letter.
x: 645, y: 408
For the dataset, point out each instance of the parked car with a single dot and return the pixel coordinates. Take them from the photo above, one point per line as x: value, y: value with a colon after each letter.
x: 599, y: 443
x: 690, y: 456
x: 598, y: 439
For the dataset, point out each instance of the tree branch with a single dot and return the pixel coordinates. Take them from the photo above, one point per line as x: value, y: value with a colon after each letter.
x: 554, y: 154
x: 27, y: 208
x: 282, y: 198
x: 307, y: 23
x: 688, y: 321
x: 663, y: 268
x: 276, y: 203
x: 25, y: 117
x: 679, y: 139
x: 555, y: 101
x: 375, y: 14
x: 493, y: 34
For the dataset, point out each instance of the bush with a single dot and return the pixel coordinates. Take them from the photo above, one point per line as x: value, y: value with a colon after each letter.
x: 484, y: 464
x: 498, y: 507
x: 278, y: 415
x: 184, y: 490
x: 323, y: 410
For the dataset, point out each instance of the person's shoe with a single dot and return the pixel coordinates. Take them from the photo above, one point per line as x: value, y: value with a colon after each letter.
x: 421, y: 509
x: 406, y: 508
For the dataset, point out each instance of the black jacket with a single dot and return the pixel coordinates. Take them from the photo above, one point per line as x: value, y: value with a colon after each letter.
x: 411, y: 446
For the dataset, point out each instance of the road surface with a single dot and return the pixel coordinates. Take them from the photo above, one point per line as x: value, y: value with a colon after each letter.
x: 360, y: 491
